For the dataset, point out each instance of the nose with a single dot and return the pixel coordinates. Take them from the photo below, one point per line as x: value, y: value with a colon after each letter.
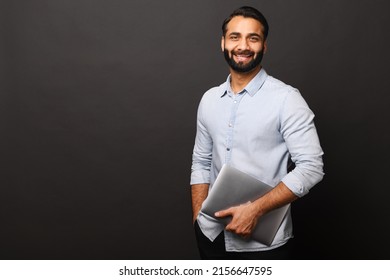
x: 243, y: 44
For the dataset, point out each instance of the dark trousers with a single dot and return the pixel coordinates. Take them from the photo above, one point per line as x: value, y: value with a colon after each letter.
x: 216, y: 250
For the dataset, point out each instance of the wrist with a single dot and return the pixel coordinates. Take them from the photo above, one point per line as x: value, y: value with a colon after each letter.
x: 258, y: 208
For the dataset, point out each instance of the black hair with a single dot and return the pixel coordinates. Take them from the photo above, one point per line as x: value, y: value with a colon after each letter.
x: 247, y: 12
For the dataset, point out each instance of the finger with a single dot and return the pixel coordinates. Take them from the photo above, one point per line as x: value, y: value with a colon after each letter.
x: 243, y: 234
x: 224, y: 213
x: 237, y: 231
x: 230, y: 227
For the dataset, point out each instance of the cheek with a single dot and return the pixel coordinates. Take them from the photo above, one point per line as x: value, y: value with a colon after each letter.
x: 258, y: 48
x: 229, y: 46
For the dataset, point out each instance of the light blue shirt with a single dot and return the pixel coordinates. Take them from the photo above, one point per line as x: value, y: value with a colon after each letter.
x: 256, y: 131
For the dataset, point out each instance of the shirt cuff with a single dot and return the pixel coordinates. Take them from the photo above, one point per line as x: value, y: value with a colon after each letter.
x: 200, y: 177
x: 295, y: 185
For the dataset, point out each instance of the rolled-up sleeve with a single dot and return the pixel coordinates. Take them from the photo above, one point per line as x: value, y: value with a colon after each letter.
x: 301, y: 138
x: 202, y: 153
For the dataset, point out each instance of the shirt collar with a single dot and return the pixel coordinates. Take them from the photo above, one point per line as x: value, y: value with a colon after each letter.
x: 251, y: 88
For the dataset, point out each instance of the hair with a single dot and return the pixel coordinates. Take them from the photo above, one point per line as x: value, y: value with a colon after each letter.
x: 247, y: 12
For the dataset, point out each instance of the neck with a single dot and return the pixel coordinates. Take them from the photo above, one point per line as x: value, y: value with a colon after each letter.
x: 238, y: 81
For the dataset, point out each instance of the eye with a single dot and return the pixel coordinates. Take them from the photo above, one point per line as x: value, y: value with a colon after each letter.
x: 254, y: 39
x: 234, y: 37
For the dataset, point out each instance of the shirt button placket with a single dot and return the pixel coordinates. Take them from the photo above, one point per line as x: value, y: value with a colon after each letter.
x: 229, y: 140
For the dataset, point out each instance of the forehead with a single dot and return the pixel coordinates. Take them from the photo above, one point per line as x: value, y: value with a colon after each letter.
x: 244, y: 25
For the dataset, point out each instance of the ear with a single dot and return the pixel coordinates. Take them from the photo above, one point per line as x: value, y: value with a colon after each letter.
x: 223, y: 43
x: 265, y: 47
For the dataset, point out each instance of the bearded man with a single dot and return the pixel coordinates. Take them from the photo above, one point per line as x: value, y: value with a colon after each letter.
x: 260, y: 126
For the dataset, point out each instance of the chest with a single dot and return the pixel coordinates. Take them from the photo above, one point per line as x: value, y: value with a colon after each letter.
x: 245, y: 117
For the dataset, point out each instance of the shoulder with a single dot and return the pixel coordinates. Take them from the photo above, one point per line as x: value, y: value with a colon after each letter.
x: 214, y: 93
x: 283, y: 93
x: 285, y: 98
x: 278, y: 87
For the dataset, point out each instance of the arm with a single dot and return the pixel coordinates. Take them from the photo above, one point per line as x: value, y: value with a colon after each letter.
x: 245, y: 217
x: 200, y: 169
x: 199, y: 193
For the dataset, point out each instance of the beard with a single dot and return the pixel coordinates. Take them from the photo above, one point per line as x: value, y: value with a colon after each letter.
x: 241, y: 67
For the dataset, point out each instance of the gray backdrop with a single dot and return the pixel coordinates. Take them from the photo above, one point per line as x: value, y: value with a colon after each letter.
x: 97, y: 117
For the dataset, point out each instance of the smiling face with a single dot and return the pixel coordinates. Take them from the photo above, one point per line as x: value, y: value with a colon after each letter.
x: 243, y: 44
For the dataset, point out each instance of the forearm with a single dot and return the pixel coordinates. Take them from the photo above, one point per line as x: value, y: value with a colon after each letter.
x: 276, y: 198
x: 199, y: 193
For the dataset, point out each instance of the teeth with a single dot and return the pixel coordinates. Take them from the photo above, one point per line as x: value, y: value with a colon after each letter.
x: 242, y: 57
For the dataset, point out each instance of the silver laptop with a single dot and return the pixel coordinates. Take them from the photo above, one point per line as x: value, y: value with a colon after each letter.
x: 234, y: 187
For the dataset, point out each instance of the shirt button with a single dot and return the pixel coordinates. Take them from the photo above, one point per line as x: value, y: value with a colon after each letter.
x: 228, y: 149
x: 230, y: 125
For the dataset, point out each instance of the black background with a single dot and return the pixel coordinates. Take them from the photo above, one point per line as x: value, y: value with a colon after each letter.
x: 97, y: 118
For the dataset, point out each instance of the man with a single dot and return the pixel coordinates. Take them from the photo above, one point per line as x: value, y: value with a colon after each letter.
x: 259, y: 125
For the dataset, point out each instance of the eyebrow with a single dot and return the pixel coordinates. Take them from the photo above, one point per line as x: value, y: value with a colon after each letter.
x: 249, y: 35
x: 256, y: 35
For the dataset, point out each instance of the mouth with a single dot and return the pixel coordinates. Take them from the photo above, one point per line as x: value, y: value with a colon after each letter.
x: 243, y: 58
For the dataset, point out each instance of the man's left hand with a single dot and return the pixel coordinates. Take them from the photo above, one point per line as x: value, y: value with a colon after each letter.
x: 244, y: 219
